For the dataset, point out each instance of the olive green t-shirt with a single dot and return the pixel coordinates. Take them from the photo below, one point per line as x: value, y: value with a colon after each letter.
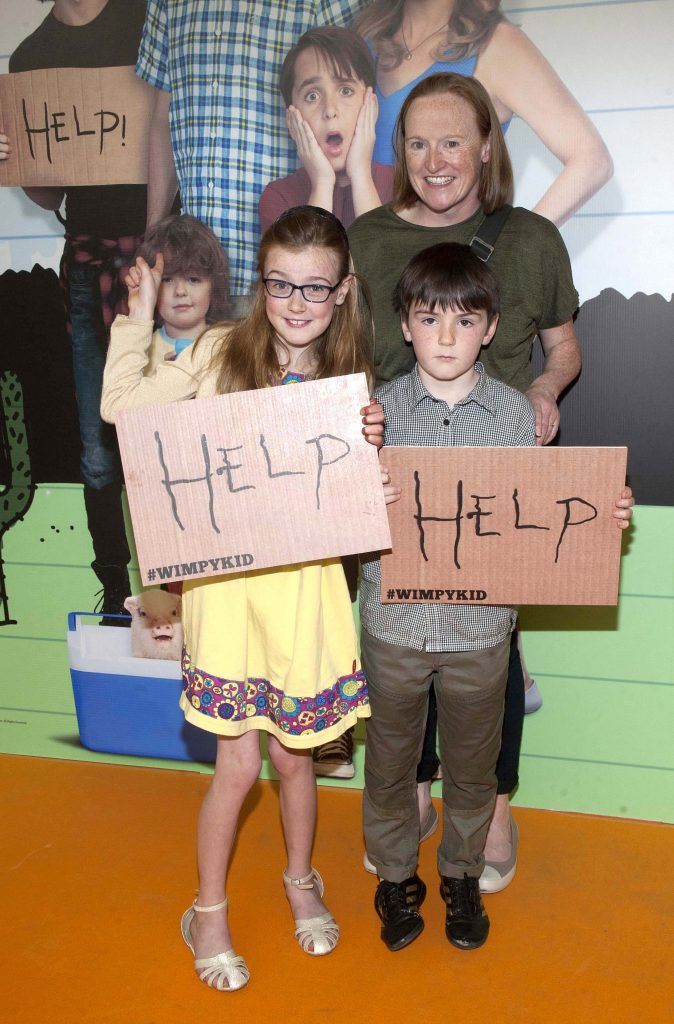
x: 531, y: 265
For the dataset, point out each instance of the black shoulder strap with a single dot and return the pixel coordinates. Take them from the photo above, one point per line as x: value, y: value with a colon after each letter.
x: 483, y: 241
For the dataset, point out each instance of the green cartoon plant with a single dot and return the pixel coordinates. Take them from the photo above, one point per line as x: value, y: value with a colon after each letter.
x: 17, y: 494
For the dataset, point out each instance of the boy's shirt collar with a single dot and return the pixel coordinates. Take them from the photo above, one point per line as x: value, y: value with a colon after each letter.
x: 481, y: 393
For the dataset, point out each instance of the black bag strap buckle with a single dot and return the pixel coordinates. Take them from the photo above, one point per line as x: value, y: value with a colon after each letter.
x: 482, y: 244
x: 482, y: 249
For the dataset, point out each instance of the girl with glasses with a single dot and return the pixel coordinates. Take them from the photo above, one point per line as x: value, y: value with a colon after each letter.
x: 265, y: 670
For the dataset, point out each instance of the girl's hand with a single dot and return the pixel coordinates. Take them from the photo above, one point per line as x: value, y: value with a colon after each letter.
x: 313, y: 159
x: 391, y: 493
x: 359, y: 158
x: 373, y: 423
x: 622, y: 513
x: 143, y: 282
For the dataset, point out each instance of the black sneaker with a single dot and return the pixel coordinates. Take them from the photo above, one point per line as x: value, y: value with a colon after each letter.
x: 466, y: 921
x: 397, y: 904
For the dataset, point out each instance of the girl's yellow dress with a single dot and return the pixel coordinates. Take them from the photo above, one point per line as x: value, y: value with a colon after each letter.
x: 274, y: 649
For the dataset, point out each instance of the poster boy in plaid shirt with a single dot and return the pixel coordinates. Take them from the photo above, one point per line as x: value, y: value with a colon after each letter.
x: 218, y: 127
x: 448, y: 302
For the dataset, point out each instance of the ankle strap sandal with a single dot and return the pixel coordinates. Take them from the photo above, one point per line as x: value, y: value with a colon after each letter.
x: 226, y: 971
x: 317, y: 936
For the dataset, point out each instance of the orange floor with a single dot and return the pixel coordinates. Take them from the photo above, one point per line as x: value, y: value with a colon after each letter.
x: 98, y: 865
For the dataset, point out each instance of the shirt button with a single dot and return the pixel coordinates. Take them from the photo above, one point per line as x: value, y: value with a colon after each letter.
x: 445, y: 423
x: 217, y: 33
x: 211, y: 184
x: 214, y: 134
x: 215, y: 84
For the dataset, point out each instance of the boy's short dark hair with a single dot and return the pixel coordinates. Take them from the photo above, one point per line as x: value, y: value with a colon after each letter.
x: 188, y: 246
x: 344, y: 50
x: 447, y: 275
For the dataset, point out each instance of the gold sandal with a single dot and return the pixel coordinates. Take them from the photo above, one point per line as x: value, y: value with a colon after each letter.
x: 225, y: 971
x: 316, y: 935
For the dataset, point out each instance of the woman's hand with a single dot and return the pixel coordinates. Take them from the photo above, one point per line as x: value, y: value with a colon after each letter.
x: 622, y: 513
x: 546, y: 411
x: 391, y: 493
x: 373, y: 423
x: 143, y: 283
x: 5, y: 147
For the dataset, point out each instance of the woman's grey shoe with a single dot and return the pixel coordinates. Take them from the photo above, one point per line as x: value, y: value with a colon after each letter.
x: 533, y: 699
x: 496, y: 875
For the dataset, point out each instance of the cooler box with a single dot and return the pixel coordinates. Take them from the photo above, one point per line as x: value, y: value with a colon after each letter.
x: 129, y: 705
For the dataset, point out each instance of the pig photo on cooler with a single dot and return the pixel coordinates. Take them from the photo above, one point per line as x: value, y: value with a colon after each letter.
x: 156, y: 629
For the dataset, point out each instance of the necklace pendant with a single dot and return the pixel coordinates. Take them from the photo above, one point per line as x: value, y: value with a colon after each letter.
x: 408, y: 55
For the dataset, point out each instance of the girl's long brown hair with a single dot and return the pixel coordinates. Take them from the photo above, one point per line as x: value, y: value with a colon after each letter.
x: 470, y: 25
x: 247, y: 356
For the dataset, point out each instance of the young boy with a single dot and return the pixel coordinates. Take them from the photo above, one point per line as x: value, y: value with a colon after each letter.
x: 194, y: 290
x: 448, y: 302
x: 327, y: 82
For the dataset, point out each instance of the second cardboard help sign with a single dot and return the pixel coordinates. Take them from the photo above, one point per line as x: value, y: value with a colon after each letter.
x: 504, y: 525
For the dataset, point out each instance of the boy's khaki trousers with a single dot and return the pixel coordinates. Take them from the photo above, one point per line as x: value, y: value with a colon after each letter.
x: 470, y: 688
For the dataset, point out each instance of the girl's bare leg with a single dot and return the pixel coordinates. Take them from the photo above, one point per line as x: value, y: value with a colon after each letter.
x: 298, y: 816
x: 237, y: 767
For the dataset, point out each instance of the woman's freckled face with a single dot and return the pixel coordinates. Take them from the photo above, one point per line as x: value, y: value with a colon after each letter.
x: 444, y: 155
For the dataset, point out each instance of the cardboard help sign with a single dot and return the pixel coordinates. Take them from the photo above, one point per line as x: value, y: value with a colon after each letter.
x: 504, y: 525
x: 252, y: 480
x: 75, y: 126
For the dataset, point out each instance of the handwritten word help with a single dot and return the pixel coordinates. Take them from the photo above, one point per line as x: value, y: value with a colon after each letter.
x: 572, y: 511
x: 232, y: 462
x: 55, y: 127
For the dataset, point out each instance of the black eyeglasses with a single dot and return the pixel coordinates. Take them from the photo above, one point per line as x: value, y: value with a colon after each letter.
x: 310, y: 292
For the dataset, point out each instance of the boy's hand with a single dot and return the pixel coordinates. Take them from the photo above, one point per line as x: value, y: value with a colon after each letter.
x: 391, y: 493
x: 373, y: 423
x: 547, y: 413
x: 359, y: 157
x: 143, y: 283
x: 313, y: 159
x: 622, y: 513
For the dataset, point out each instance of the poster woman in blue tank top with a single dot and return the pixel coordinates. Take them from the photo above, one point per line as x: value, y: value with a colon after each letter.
x: 412, y: 39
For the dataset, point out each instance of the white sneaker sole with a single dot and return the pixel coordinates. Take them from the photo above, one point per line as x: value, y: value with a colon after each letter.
x: 338, y: 770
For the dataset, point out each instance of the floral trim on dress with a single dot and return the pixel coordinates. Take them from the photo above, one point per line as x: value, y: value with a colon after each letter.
x: 291, y: 376
x: 233, y: 700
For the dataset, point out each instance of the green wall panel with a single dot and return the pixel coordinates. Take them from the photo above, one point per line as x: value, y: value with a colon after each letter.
x: 601, y: 743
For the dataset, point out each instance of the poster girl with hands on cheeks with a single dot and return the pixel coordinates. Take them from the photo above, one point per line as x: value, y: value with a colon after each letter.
x: 416, y: 38
x: 327, y: 83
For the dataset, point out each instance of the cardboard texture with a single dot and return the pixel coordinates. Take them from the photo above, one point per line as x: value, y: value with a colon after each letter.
x: 252, y: 480
x: 75, y: 126
x: 504, y: 525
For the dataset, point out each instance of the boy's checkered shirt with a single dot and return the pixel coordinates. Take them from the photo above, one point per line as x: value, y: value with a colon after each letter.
x: 493, y: 414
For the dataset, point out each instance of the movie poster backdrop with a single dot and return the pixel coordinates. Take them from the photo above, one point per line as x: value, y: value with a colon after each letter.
x: 590, y: 135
